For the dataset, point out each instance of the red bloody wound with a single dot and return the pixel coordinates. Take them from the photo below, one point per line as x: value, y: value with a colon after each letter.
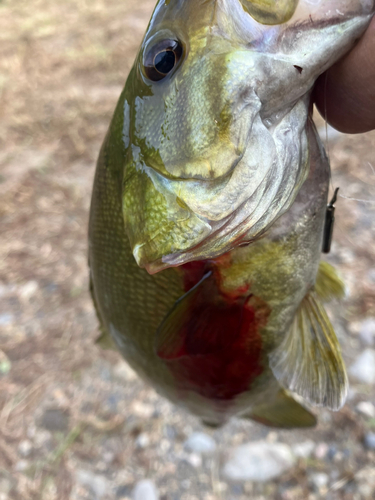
x: 216, y: 350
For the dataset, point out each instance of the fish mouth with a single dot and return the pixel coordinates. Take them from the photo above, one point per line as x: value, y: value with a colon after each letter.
x: 215, y: 167
x: 200, y: 170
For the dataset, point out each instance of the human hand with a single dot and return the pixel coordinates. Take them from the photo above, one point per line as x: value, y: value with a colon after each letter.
x: 345, y: 94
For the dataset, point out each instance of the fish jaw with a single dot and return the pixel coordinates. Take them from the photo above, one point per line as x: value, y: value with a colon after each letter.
x: 213, y: 161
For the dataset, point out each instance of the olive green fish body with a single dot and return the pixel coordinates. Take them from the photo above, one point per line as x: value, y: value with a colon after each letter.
x: 267, y: 275
x: 208, y: 209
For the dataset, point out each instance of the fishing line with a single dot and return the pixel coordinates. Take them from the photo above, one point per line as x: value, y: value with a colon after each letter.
x: 330, y: 208
x: 371, y: 167
x: 369, y: 202
x: 361, y: 180
x: 326, y: 128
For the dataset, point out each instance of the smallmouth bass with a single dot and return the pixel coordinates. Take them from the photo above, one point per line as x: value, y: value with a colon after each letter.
x: 208, y: 209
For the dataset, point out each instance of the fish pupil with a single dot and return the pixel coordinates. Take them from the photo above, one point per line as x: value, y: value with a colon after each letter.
x: 164, y: 61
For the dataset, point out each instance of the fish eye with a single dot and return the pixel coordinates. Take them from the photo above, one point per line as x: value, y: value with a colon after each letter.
x: 160, y: 59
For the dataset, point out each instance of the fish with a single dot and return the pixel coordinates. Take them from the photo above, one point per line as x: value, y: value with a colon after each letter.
x: 208, y: 209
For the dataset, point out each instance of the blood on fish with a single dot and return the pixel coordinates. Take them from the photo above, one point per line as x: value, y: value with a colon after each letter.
x: 219, y: 349
x: 193, y: 272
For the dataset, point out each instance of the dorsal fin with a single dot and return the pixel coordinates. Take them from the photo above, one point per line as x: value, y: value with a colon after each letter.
x: 283, y: 412
x: 308, y: 361
x: 328, y: 285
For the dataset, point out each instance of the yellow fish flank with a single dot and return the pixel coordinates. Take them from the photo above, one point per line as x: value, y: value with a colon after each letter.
x: 208, y: 209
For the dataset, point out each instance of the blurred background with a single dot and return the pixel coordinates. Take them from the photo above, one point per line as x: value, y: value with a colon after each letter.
x: 75, y: 421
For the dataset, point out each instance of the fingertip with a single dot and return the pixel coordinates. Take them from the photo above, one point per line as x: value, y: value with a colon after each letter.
x: 345, y: 94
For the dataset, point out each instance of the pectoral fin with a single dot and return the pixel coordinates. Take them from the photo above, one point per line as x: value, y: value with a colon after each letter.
x: 308, y: 361
x: 184, y: 320
x: 284, y: 412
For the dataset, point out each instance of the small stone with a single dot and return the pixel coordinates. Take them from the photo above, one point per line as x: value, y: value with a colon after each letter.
x: 5, y: 364
x: 369, y: 441
x: 366, y: 409
x: 325, y: 416
x: 334, y: 475
x: 25, y: 447
x: 259, y: 461
x: 321, y: 451
x: 319, y: 480
x: 142, y: 440
x: 142, y: 410
x: 201, y: 443
x: 21, y: 466
x: 95, y: 483
x: 303, y: 450
x: 352, y: 394
x: 363, y: 369
x: 367, y: 331
x: 42, y: 439
x: 60, y: 397
x: 164, y: 445
x: 169, y: 431
x: 272, y: 437
x: 112, y: 402
x: 109, y: 457
x: 28, y: 289
x: 338, y: 457
x: 236, y: 489
x: 105, y: 374
x: 123, y: 491
x: 194, y: 460
x: 31, y: 431
x: 185, y: 484
x: 365, y: 490
x: 7, y: 482
x: 55, y: 419
x: 145, y: 490
x: 333, y: 453
x: 365, y: 480
x: 6, y: 319
x: 371, y: 275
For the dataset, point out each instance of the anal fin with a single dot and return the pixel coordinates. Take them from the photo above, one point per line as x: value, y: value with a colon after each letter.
x: 284, y: 412
x: 308, y: 361
x: 105, y: 341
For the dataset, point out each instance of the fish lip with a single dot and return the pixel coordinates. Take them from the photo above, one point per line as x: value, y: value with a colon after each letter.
x: 171, y: 178
x: 178, y: 259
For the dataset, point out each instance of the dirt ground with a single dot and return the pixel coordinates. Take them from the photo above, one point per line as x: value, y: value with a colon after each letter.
x: 75, y: 421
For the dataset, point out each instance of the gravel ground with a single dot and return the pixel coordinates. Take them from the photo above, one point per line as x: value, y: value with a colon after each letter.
x: 75, y: 421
